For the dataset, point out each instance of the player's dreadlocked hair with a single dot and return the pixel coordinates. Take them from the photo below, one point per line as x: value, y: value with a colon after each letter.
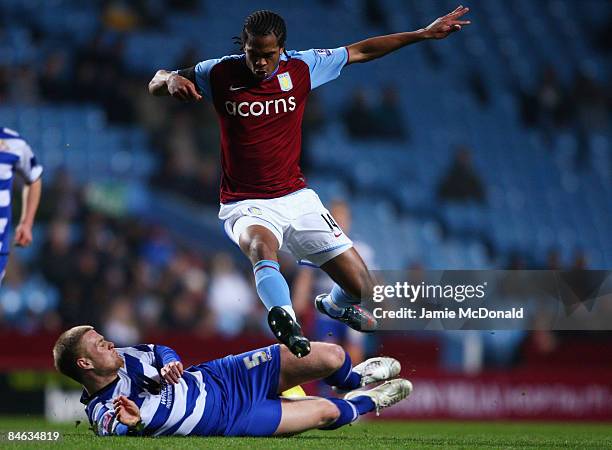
x: 262, y: 23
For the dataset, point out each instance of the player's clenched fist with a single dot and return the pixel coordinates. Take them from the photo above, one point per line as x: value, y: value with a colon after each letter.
x: 181, y: 88
x: 172, y: 371
x: 23, y: 235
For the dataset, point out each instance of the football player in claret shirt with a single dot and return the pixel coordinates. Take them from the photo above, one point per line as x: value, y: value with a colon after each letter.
x: 266, y: 206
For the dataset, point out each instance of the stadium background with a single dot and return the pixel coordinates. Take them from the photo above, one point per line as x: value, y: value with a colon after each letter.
x: 490, y: 149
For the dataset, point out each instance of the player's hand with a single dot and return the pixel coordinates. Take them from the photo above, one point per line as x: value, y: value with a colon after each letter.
x: 126, y: 411
x: 23, y: 235
x: 445, y: 25
x: 172, y: 371
x: 182, y: 89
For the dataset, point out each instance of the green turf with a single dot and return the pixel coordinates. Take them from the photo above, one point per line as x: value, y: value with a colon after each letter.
x: 371, y: 434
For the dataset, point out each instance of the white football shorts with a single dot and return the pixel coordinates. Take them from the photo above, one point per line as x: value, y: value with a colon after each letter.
x: 300, y: 222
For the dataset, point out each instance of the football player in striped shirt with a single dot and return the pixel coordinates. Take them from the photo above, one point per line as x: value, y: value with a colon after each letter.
x: 16, y: 156
x: 266, y: 206
x: 144, y: 390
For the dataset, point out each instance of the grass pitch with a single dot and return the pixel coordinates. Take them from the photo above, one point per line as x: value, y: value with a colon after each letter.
x: 366, y: 434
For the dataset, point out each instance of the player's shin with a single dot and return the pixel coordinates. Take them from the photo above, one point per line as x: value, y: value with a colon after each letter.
x: 350, y: 410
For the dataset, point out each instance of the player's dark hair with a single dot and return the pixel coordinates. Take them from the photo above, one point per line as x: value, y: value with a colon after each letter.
x: 67, y: 350
x: 262, y: 23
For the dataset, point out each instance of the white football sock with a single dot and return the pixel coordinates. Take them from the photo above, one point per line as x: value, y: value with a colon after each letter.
x: 290, y: 310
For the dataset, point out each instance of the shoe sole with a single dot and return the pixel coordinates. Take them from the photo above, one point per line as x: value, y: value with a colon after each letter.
x: 406, y: 390
x: 288, y: 332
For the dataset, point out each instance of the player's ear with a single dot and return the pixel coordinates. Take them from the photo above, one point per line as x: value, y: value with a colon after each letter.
x: 84, y: 363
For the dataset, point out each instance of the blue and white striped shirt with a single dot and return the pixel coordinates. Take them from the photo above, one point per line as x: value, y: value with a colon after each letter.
x: 15, y: 155
x: 165, y: 408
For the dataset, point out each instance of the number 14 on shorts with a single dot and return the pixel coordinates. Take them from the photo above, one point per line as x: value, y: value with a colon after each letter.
x: 331, y: 223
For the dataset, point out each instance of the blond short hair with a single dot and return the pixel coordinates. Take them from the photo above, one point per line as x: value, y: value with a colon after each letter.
x: 67, y: 349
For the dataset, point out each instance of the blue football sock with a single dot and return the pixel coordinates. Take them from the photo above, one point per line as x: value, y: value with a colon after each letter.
x: 363, y: 403
x: 337, y: 300
x: 348, y: 413
x: 344, y: 378
x: 342, y: 298
x: 271, y: 286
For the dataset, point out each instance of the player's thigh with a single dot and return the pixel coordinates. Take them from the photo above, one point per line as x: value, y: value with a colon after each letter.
x: 300, y: 415
x: 262, y: 418
x: 251, y: 382
x: 258, y: 242
x: 323, y: 360
x: 350, y: 272
x: 313, y: 235
x: 258, y: 371
x: 251, y: 221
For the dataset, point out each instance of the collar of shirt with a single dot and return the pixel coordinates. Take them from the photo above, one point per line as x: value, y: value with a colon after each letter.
x: 86, y: 398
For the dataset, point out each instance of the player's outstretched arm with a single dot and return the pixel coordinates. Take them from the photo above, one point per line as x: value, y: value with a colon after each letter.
x: 376, y: 47
x: 31, y: 199
x: 171, y: 83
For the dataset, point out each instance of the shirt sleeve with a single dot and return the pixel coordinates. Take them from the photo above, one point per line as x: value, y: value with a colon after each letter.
x: 156, y: 355
x: 165, y: 355
x: 202, y: 76
x: 27, y: 165
x: 324, y: 64
x: 105, y: 422
x: 142, y: 352
x: 108, y: 425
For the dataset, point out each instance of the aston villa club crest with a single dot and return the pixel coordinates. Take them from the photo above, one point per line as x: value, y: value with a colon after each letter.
x: 284, y: 79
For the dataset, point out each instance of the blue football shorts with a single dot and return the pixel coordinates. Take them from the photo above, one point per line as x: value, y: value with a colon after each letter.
x: 249, y: 383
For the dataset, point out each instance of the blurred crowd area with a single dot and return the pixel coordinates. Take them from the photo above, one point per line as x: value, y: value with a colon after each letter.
x: 127, y: 277
x: 488, y: 150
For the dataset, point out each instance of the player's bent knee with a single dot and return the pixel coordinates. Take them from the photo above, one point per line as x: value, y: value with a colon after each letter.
x: 334, y: 357
x: 328, y: 413
x: 258, y: 249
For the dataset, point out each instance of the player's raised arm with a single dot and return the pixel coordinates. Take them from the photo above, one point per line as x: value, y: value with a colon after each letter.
x: 180, y: 85
x: 376, y: 47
